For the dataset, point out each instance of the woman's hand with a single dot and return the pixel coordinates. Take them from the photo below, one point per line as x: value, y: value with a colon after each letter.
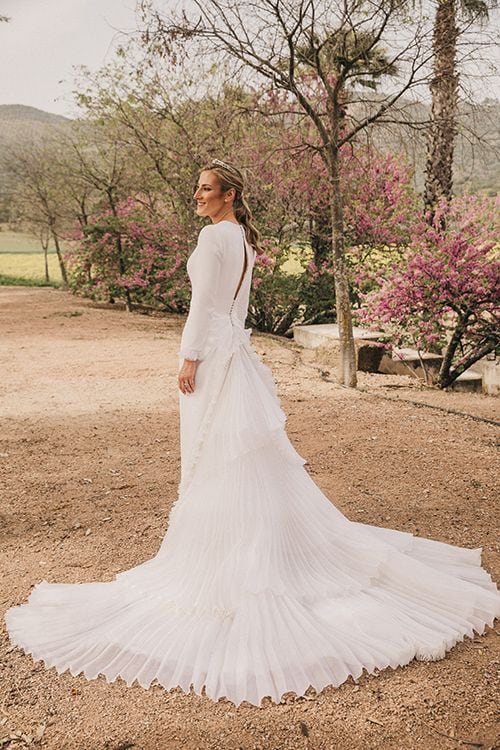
x: 187, y: 375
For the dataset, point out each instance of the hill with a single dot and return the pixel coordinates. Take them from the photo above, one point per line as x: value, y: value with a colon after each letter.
x: 23, y: 113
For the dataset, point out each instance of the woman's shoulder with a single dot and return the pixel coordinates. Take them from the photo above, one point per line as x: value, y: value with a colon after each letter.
x: 212, y: 231
x: 220, y: 234
x: 211, y: 240
x: 209, y: 231
x: 220, y: 227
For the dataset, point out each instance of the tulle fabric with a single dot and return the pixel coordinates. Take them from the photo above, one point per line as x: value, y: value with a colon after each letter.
x: 261, y: 586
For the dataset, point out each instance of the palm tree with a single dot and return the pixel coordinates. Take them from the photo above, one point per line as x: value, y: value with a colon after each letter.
x: 444, y: 93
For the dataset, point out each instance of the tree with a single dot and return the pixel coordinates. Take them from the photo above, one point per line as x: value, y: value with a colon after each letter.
x: 168, y: 131
x: 444, y: 83
x: 286, y: 190
x: 304, y: 48
x: 445, y: 296
x: 102, y: 166
x: 148, y: 264
x: 39, y: 195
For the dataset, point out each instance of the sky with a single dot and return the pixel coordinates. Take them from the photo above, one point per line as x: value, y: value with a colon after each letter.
x: 44, y: 39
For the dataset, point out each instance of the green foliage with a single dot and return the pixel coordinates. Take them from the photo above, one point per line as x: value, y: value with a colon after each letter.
x: 275, y: 303
x: 24, y: 281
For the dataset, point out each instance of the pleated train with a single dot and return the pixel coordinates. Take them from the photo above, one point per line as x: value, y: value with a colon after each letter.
x: 261, y: 586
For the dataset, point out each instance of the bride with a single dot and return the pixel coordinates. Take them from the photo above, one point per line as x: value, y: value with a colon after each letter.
x: 261, y: 585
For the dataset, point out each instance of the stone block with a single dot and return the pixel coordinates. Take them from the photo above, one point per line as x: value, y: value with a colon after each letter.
x: 489, y: 368
x: 407, y: 362
x: 467, y: 382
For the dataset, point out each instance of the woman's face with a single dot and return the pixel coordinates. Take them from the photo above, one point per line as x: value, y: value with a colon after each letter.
x: 210, y: 200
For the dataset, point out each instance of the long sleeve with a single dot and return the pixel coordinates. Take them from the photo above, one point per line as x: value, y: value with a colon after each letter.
x: 204, y: 274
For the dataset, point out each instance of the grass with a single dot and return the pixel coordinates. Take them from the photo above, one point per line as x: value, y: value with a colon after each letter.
x: 22, y: 281
x: 22, y: 261
x: 28, y: 268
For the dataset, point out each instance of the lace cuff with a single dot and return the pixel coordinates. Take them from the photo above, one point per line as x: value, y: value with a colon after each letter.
x: 189, y: 354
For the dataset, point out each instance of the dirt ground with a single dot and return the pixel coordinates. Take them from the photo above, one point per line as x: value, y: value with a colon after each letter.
x: 89, y: 468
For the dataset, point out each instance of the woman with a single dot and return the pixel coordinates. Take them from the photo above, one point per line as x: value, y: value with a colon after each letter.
x: 261, y: 585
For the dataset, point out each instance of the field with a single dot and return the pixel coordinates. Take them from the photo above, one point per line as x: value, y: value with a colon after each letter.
x: 18, y: 242
x: 21, y: 259
x: 28, y: 267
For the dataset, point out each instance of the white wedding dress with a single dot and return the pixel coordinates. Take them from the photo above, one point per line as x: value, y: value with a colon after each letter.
x: 261, y: 585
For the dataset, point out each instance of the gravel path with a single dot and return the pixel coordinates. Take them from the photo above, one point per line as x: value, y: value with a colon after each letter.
x: 89, y: 467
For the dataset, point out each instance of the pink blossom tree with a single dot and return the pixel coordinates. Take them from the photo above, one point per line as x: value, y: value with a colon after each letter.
x: 150, y: 266
x: 381, y: 211
x: 445, y: 296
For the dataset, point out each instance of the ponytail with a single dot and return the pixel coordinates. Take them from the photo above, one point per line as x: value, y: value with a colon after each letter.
x: 244, y: 215
x: 231, y: 177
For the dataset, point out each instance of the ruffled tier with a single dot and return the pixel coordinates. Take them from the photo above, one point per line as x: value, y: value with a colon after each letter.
x: 261, y: 591
x: 236, y: 411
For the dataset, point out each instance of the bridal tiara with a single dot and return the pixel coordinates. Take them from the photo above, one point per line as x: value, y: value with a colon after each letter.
x: 220, y: 163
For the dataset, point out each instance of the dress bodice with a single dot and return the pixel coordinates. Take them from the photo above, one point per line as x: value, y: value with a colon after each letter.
x: 214, y: 268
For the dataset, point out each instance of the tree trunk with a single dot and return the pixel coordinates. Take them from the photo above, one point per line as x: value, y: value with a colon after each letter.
x: 62, y: 266
x: 44, y: 240
x: 119, y: 248
x: 446, y: 375
x: 444, y: 371
x: 444, y: 92
x: 320, y: 232
x: 347, y: 365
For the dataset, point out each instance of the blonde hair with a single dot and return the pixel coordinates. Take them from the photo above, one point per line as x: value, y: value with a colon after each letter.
x: 231, y: 177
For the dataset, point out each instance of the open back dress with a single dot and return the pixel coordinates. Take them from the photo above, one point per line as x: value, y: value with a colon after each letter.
x: 260, y: 586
